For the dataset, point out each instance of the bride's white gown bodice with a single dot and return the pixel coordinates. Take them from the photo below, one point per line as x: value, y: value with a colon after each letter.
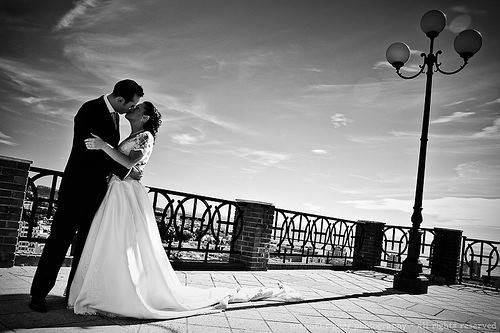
x: 143, y: 142
x: 124, y: 269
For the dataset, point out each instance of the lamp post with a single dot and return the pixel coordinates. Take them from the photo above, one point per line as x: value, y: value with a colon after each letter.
x: 467, y: 43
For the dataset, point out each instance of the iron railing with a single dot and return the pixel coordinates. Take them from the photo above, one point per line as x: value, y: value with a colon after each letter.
x: 192, y: 227
x: 308, y: 238
x: 40, y: 204
x: 196, y: 227
x: 200, y: 228
x: 395, y: 246
x: 479, y: 260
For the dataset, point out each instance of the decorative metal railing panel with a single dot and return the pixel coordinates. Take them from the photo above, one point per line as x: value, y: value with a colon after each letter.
x: 195, y: 227
x: 40, y: 205
x: 479, y: 262
x: 192, y: 227
x: 311, y: 239
x: 395, y: 246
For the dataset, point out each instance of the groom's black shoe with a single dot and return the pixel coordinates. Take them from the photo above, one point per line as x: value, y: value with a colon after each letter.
x: 38, y: 304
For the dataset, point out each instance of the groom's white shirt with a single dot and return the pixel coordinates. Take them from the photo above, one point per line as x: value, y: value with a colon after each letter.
x: 108, y: 104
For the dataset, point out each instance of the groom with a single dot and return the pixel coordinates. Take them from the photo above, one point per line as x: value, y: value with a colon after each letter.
x: 83, y: 185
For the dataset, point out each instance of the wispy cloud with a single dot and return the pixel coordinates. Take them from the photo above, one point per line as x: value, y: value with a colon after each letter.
x: 446, y: 210
x: 339, y: 119
x: 313, y: 69
x: 108, y: 57
x: 4, y: 139
x: 262, y: 157
x: 454, y: 117
x: 493, y: 102
x: 459, y: 102
x: 412, y: 68
x: 196, y: 137
x: 185, y: 139
x: 198, y: 109
x: 490, y: 131
x: 81, y: 7
x: 260, y: 160
x: 319, y: 152
x: 310, y: 207
x: 464, y: 9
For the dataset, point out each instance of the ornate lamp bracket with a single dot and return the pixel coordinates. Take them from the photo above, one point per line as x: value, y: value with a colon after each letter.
x: 438, y: 69
x: 422, y: 67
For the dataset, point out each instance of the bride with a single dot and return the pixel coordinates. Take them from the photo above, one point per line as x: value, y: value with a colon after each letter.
x: 124, y: 270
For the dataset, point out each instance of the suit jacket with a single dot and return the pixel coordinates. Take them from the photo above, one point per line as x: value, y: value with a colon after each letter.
x: 87, y: 171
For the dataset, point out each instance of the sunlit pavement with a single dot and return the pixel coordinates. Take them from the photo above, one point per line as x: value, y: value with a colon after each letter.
x: 335, y: 301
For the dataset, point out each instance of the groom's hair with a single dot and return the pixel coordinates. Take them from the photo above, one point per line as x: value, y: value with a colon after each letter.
x: 127, y: 89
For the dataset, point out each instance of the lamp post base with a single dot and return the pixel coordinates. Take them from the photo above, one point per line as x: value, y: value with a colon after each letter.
x: 413, y: 284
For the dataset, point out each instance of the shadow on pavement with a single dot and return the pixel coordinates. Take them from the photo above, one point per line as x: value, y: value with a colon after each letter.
x: 15, y: 313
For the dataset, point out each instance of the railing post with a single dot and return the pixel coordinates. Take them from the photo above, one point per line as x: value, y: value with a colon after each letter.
x: 13, y: 180
x: 368, y: 244
x: 445, y: 261
x: 251, y: 248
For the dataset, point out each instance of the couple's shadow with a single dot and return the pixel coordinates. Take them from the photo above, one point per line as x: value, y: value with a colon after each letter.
x: 15, y: 314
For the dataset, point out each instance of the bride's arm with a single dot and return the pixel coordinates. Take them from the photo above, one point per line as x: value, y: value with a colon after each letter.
x: 128, y: 161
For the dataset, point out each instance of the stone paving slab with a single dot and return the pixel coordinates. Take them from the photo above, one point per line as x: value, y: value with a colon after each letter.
x: 336, y: 301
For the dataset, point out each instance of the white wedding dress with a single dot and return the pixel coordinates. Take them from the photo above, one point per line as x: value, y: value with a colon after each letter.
x: 124, y: 270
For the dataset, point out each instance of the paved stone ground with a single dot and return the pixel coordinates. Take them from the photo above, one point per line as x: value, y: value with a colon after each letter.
x: 336, y: 301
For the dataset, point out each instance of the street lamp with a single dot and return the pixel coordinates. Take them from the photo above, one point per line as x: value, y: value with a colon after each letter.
x: 467, y: 43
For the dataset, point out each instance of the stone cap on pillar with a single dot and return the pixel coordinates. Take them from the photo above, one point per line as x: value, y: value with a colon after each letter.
x: 15, y: 159
x: 254, y: 202
x: 373, y: 222
x: 449, y: 230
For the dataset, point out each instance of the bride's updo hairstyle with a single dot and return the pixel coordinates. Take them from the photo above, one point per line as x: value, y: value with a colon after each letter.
x: 154, y: 121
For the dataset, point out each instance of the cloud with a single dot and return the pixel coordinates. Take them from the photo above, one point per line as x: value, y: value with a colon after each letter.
x: 382, y: 64
x: 312, y: 69
x: 264, y: 158
x: 36, y: 82
x: 460, y: 23
x: 108, y: 56
x: 490, y: 131
x: 478, y: 169
x: 310, y: 207
x: 260, y: 159
x: 493, y: 102
x: 33, y: 100
x: 454, y: 117
x: 4, y: 140
x: 79, y: 10
x: 412, y: 68
x: 319, y: 151
x: 463, y: 9
x: 184, y: 139
x: 446, y: 210
x: 459, y: 102
x: 339, y: 119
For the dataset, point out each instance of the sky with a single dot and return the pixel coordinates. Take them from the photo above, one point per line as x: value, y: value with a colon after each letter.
x: 280, y: 101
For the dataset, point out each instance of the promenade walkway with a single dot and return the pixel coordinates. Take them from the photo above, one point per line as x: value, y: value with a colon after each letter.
x: 336, y: 301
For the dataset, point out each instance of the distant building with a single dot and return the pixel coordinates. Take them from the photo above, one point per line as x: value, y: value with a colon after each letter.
x: 394, y: 261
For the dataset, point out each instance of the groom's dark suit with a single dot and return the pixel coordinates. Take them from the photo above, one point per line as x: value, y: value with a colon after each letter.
x: 82, y: 189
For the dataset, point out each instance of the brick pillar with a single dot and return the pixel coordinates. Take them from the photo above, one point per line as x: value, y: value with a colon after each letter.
x: 251, y: 248
x: 368, y: 244
x: 445, y: 261
x: 13, y: 180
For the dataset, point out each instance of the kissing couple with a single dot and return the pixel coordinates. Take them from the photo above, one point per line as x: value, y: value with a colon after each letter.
x: 119, y: 266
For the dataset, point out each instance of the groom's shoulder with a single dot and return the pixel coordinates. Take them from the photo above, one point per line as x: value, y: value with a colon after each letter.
x: 97, y: 102
x: 93, y: 104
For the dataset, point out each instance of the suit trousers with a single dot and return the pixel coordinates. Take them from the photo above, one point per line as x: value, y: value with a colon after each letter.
x: 75, y: 211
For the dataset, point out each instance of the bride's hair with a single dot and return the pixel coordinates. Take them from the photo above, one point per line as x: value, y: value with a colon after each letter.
x: 154, y: 121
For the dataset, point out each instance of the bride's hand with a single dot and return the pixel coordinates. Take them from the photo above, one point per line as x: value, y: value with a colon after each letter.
x: 95, y: 143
